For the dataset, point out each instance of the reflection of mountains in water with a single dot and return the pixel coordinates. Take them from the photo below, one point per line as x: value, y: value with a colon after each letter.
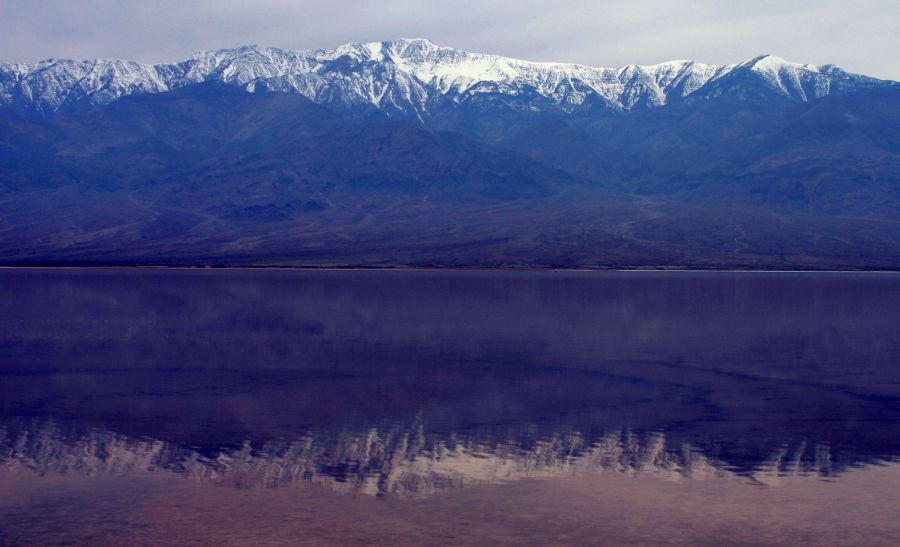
x: 392, y: 460
x: 408, y: 382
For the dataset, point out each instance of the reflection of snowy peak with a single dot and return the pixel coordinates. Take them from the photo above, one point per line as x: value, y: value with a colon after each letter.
x: 416, y: 77
x: 392, y: 461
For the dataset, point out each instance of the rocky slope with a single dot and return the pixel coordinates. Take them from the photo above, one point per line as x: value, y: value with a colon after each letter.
x: 407, y: 153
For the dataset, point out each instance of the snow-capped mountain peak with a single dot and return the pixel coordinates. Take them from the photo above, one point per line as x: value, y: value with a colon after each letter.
x: 414, y: 76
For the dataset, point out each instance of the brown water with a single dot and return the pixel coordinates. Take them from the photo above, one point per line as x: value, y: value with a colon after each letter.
x: 216, y: 407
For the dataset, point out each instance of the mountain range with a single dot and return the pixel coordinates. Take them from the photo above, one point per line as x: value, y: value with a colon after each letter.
x: 405, y: 153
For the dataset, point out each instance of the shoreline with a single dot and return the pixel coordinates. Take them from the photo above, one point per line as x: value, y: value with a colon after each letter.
x: 471, y: 269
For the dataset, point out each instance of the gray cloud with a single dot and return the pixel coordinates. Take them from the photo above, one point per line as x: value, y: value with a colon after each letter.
x: 859, y: 35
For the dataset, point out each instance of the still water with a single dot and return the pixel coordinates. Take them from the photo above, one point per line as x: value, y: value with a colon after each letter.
x: 286, y: 407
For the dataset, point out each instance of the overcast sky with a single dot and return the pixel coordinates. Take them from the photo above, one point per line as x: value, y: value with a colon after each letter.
x: 858, y: 35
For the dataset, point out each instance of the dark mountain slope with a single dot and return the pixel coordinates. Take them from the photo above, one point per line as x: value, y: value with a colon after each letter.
x: 836, y: 155
x: 213, y: 174
x: 210, y: 171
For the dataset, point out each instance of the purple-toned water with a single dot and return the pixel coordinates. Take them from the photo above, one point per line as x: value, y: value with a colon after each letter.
x: 251, y: 406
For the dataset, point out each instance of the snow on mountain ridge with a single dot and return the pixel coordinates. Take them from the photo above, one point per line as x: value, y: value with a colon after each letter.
x: 407, y: 76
